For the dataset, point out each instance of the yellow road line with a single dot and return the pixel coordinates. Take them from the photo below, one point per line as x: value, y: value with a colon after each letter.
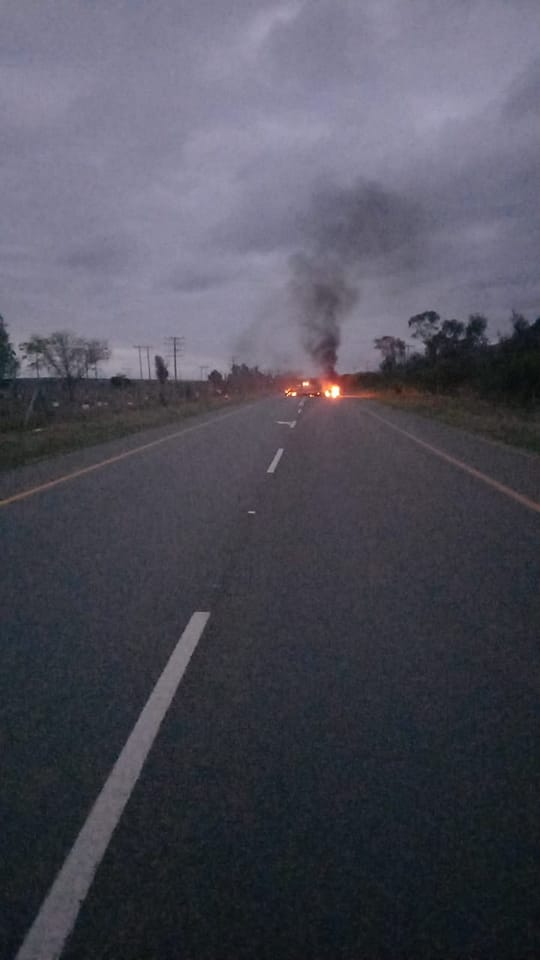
x: 501, y: 487
x: 40, y: 488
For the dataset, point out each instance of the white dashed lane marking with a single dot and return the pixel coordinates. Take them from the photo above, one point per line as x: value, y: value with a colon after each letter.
x: 275, y: 461
x: 58, y: 913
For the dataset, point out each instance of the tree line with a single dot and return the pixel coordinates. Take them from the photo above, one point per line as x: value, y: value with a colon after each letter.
x: 70, y: 358
x: 458, y: 354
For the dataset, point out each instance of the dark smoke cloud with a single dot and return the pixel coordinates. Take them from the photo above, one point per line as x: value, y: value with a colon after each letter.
x: 363, y: 222
x: 324, y: 297
x: 345, y: 229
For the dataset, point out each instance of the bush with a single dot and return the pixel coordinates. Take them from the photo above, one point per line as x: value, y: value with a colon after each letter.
x: 120, y: 380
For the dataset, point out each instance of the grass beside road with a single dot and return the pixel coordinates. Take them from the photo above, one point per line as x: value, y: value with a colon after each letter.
x: 18, y: 447
x: 497, y: 422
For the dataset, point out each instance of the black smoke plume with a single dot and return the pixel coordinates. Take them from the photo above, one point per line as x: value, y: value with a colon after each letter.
x: 324, y: 296
x: 346, y: 229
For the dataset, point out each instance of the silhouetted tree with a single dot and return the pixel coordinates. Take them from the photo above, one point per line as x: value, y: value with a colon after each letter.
x: 216, y: 379
x: 424, y: 327
x: 8, y: 358
x: 162, y: 374
x: 96, y: 352
x: 459, y: 354
x: 33, y: 351
x: 393, y: 351
x: 475, y: 331
x: 243, y: 378
x: 161, y: 369
x: 514, y: 368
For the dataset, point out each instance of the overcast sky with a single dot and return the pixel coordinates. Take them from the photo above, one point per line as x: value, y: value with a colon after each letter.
x: 161, y: 160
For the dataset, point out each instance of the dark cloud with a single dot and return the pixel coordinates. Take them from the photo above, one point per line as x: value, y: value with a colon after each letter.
x: 362, y: 222
x: 276, y: 227
x: 151, y: 152
x: 195, y: 281
x: 100, y: 255
x: 524, y: 97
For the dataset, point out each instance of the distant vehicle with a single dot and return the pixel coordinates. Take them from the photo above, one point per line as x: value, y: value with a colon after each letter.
x: 304, y: 388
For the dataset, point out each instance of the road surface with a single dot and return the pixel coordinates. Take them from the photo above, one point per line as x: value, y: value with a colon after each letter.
x: 330, y: 612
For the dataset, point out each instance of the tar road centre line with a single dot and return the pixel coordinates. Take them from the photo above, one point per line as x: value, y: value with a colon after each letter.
x: 56, y: 918
x: 273, y: 466
x: 31, y: 491
x: 461, y: 465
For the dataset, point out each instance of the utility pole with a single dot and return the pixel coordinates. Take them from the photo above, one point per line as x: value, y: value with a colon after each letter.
x: 203, y: 368
x: 176, y: 343
x: 139, y: 347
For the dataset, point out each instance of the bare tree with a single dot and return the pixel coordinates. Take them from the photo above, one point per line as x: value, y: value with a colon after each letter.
x: 64, y: 355
x: 96, y: 352
x: 33, y: 351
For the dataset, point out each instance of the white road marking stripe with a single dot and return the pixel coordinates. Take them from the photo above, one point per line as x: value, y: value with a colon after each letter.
x: 275, y: 461
x: 501, y: 487
x: 56, y: 918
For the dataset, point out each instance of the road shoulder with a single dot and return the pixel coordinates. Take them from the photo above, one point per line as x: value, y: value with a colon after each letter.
x: 27, y: 477
x: 514, y: 468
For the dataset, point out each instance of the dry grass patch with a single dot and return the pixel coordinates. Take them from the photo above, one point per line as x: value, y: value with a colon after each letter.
x: 508, y: 425
x: 18, y: 447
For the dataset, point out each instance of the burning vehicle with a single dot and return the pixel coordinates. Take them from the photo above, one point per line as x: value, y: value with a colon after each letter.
x: 333, y: 391
x: 314, y: 388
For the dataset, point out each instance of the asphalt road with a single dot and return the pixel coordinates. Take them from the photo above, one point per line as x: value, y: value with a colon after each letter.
x: 347, y: 767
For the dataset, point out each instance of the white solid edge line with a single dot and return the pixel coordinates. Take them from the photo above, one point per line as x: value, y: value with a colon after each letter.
x: 56, y: 918
x: 472, y: 471
x: 275, y: 461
